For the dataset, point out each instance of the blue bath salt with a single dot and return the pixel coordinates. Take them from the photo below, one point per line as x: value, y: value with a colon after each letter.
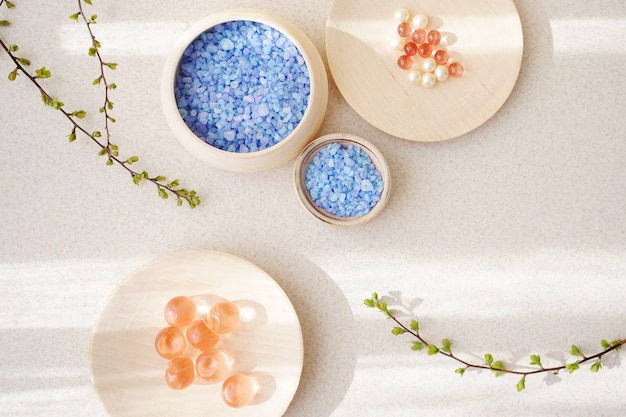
x: 242, y: 86
x: 343, y: 180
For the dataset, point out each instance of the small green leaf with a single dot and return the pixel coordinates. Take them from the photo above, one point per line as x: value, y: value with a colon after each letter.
x: 535, y: 360
x: 162, y: 193
x: 46, y: 99
x: 88, y: 2
x: 460, y: 371
x: 159, y: 178
x: 102, y: 151
x: 597, y: 365
x: 398, y: 331
x: 112, y: 86
x: 13, y: 75
x: 136, y: 179
x: 56, y: 104
x: 9, y: 4
x: 571, y: 367
x: 92, y: 18
x: 179, y: 202
x: 13, y: 48
x: 497, y: 365
x: 112, y: 119
x: 415, y: 326
x: 97, y: 81
x: 42, y: 73
x: 576, y: 351
x: 74, y: 16
x: 111, y: 65
x: 109, y: 162
x: 97, y: 44
x: 488, y: 359
x: 72, y: 136
x: 80, y: 114
x: 175, y: 184
x: 132, y: 160
x: 110, y: 105
x: 417, y: 346
x: 23, y: 61
x: 521, y: 385
x: 433, y: 350
x: 4, y: 23
x: 92, y: 51
x: 605, y: 344
x: 445, y: 346
x: 96, y: 134
x: 368, y: 302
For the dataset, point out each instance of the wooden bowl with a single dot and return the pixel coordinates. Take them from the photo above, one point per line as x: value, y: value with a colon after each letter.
x: 282, y: 151
x: 345, y: 139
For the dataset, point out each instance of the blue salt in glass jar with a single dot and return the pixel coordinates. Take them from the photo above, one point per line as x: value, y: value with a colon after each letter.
x: 342, y: 179
x: 244, y: 90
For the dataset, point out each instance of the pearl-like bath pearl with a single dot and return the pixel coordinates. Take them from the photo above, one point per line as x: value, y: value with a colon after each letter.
x: 419, y: 21
x: 428, y: 65
x: 415, y: 76
x: 401, y: 15
x: 441, y: 72
x: 428, y: 80
x: 397, y: 44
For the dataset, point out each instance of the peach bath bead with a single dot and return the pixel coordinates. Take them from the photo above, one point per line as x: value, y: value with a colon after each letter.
x: 418, y: 36
x: 238, y: 390
x: 180, y: 311
x: 179, y: 373
x: 201, y: 336
x: 424, y: 50
x: 212, y: 366
x: 434, y: 37
x: 223, y: 317
x: 410, y: 49
x: 441, y: 57
x: 170, y: 343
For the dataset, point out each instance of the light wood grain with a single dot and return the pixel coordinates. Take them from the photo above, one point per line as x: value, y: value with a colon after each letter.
x: 484, y: 35
x: 127, y: 373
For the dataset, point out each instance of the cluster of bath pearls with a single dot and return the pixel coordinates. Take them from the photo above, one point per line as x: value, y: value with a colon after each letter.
x: 427, y: 61
x: 243, y: 86
x: 187, y: 330
x: 343, y: 180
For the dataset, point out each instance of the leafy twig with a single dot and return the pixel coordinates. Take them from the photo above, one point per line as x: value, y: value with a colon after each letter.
x: 496, y: 366
x: 106, y: 147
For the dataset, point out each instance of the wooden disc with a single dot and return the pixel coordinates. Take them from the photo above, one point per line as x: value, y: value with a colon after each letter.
x: 127, y: 373
x: 485, y: 36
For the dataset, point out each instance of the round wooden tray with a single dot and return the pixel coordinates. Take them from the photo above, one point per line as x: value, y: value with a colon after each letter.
x: 127, y: 373
x: 484, y: 35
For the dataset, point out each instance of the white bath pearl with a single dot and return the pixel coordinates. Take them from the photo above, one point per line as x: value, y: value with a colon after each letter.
x: 441, y: 72
x: 419, y: 21
x: 428, y: 80
x: 428, y: 65
x: 402, y: 15
x: 397, y: 44
x: 415, y: 76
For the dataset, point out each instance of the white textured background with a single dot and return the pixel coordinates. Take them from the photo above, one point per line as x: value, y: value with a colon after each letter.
x: 510, y: 239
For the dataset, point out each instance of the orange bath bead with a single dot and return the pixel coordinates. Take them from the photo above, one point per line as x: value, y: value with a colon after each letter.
x: 404, y: 29
x: 180, y: 311
x: 179, y: 373
x: 441, y: 57
x: 238, y: 390
x: 212, y: 366
x: 418, y: 36
x: 424, y: 50
x: 434, y: 37
x: 223, y: 317
x: 410, y: 48
x: 170, y: 343
x: 456, y: 70
x: 405, y: 62
x: 200, y: 336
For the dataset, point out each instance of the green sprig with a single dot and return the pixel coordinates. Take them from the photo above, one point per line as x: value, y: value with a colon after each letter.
x: 489, y: 362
